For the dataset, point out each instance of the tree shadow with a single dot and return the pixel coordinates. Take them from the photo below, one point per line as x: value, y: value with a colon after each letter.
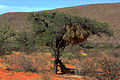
x: 65, y: 70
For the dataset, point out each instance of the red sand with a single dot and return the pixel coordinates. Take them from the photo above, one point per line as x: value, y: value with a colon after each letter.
x: 11, y: 75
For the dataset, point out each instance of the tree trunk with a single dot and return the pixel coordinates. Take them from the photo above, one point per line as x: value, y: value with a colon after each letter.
x: 56, y: 61
x: 63, y: 67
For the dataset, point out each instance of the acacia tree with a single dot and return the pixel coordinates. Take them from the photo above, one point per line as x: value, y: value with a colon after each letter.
x: 57, y: 30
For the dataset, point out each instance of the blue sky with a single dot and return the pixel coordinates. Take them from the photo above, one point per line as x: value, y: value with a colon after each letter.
x: 38, y: 5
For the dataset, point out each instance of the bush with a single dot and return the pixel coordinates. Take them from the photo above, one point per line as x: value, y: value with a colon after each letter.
x: 27, y: 63
x: 67, y: 55
x: 102, y: 68
x: 25, y: 42
x: 110, y: 67
x: 6, y: 39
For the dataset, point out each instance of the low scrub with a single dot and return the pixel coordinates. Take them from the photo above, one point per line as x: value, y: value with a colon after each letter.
x: 6, y: 39
x: 101, y: 68
x: 27, y: 63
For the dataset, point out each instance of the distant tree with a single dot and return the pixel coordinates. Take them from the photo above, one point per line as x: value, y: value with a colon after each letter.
x: 57, y: 30
x: 6, y: 37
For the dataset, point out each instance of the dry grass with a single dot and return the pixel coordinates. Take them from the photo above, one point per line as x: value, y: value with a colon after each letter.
x: 98, y: 67
x: 35, y: 63
x: 101, y: 67
x: 26, y: 63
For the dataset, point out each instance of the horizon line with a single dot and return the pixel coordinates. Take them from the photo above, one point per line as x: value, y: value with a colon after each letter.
x: 55, y: 8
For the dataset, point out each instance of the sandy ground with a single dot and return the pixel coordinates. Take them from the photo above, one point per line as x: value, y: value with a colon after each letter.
x: 12, y: 75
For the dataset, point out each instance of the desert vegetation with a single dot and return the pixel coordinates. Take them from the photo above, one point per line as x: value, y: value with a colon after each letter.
x: 6, y: 36
x: 65, y: 38
x: 57, y: 30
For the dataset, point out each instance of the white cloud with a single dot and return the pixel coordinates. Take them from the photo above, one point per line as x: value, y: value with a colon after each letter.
x: 5, y: 9
x: 3, y: 6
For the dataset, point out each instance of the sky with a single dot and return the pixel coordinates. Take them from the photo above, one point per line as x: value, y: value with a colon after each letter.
x: 39, y: 5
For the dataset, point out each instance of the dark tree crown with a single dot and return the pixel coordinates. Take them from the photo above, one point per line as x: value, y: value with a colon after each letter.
x: 58, y: 29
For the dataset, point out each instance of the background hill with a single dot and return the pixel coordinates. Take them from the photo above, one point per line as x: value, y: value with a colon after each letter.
x: 109, y: 13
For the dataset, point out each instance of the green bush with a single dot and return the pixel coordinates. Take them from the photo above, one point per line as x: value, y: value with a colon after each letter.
x: 25, y: 41
x: 68, y: 55
x: 6, y: 39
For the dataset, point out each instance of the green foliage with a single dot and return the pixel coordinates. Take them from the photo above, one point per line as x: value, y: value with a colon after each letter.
x: 57, y: 30
x: 96, y: 27
x: 6, y: 39
x: 25, y: 41
x: 67, y: 55
x: 50, y: 27
x: 64, y: 54
x: 97, y: 46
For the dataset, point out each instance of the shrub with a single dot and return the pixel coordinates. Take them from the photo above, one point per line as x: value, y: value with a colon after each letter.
x: 27, y: 63
x: 25, y: 42
x: 110, y: 67
x: 6, y: 39
x: 67, y: 55
x: 102, y: 68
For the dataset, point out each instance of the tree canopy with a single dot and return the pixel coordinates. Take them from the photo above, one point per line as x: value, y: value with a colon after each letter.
x: 53, y: 28
x: 57, y: 30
